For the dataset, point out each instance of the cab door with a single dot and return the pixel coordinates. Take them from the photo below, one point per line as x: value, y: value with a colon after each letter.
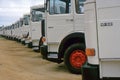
x: 79, y: 15
x: 59, y: 20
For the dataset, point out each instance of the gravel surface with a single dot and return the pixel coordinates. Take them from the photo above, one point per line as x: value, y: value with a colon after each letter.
x: 17, y: 62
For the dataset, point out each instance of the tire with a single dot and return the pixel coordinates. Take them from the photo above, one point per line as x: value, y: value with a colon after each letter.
x: 75, y: 57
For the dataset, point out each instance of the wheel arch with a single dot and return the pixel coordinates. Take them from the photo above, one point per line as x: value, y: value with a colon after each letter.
x: 70, y: 39
x: 40, y: 41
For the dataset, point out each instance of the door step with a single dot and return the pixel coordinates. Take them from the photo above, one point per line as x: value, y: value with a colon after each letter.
x: 53, y: 56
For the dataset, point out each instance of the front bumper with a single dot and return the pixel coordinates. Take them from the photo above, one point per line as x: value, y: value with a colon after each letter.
x: 90, y: 72
x: 35, y: 42
x: 27, y: 41
x: 30, y: 45
x: 23, y: 41
x: 46, y: 55
x: 44, y: 51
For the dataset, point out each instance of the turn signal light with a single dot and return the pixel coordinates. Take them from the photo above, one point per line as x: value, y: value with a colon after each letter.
x: 90, y: 52
x: 43, y: 39
x: 29, y: 37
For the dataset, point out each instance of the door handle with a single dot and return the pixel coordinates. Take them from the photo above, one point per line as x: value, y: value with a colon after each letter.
x: 50, y: 27
x: 33, y: 30
x: 69, y: 19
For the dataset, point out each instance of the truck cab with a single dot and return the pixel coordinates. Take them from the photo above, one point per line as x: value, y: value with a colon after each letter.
x: 102, y: 31
x: 1, y: 30
x: 25, y: 28
x: 20, y: 36
x: 63, y: 35
x: 37, y: 15
x: 16, y: 30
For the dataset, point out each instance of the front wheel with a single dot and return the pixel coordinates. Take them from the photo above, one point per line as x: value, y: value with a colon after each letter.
x: 75, y: 57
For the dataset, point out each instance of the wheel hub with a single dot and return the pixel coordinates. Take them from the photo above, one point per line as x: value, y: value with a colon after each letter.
x: 77, y: 58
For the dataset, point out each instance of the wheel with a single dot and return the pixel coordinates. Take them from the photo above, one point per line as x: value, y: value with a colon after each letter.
x: 75, y: 57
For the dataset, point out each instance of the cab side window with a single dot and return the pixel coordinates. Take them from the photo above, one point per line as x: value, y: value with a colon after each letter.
x: 80, y: 6
x: 59, y: 6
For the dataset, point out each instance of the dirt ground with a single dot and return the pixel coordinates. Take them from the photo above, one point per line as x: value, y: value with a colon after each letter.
x: 17, y: 62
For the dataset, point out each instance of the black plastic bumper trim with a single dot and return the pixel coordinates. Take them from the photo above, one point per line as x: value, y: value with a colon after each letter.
x: 90, y: 72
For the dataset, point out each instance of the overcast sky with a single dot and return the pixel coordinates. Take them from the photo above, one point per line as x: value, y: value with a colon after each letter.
x: 12, y: 10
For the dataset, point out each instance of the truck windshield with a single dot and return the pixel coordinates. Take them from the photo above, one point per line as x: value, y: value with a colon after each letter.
x: 59, y: 6
x: 26, y: 19
x: 36, y: 15
x: 21, y: 23
x: 80, y: 6
x: 17, y: 25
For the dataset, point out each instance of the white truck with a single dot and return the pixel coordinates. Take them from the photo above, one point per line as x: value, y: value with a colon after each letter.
x: 11, y: 32
x: 37, y: 15
x: 25, y: 28
x: 102, y: 31
x: 16, y: 29
x: 63, y: 34
x: 20, y: 30
x: 6, y: 31
x: 1, y: 30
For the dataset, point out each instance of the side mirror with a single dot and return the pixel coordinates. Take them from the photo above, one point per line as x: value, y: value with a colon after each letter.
x: 46, y: 5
